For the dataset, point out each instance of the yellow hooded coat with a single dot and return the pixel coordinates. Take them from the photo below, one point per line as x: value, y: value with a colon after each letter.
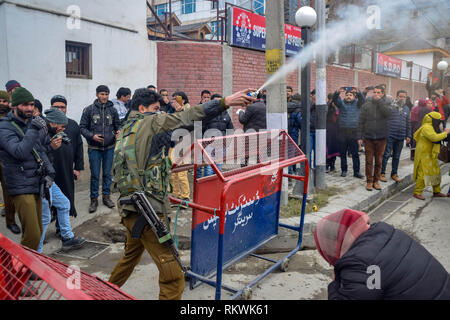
x: 427, y: 151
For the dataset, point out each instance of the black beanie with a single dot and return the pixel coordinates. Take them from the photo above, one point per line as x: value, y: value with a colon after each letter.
x: 38, y: 105
x: 58, y: 98
x: 102, y: 88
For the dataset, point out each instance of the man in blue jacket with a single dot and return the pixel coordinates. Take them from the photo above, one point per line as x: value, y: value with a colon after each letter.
x: 99, y: 125
x: 399, y: 130
x: 348, y: 127
x: 25, y: 164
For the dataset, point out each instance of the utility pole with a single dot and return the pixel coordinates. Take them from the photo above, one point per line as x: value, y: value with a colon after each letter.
x: 321, y: 102
x: 275, y: 58
x: 305, y: 19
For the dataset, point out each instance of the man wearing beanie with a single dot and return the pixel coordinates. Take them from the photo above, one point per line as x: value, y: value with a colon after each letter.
x: 100, y: 124
x: 56, y: 122
x: 68, y: 160
x: 25, y: 164
x: 9, y: 210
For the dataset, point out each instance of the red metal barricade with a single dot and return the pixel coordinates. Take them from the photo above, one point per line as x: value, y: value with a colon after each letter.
x: 27, y: 275
x: 236, y: 205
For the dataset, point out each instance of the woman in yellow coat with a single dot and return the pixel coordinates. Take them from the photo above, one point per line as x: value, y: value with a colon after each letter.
x: 426, y: 167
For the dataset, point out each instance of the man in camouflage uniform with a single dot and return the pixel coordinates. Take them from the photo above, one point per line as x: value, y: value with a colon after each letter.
x: 141, y: 163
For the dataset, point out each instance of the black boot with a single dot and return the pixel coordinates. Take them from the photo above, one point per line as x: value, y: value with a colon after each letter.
x: 108, y: 202
x: 94, y: 205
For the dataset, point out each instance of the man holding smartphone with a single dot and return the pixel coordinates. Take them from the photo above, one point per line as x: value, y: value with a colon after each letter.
x: 100, y: 125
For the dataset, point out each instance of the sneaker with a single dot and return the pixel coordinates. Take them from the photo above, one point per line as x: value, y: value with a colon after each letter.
x: 383, y: 177
x: 344, y: 174
x: 72, y: 243
x: 396, y: 178
x: 358, y: 175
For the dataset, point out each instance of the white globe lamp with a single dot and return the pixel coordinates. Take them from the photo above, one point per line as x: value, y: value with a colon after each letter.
x: 305, y: 17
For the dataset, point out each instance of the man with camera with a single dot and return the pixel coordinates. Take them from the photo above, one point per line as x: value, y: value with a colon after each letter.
x: 68, y: 159
x: 25, y: 164
x: 99, y: 125
x: 53, y: 140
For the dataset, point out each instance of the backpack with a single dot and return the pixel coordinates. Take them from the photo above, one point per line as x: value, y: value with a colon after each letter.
x: 154, y: 179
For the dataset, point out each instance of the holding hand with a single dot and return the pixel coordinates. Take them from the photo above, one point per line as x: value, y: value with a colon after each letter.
x: 98, y: 138
x: 240, y: 98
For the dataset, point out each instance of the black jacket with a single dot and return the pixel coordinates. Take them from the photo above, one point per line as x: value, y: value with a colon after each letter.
x: 20, y: 167
x: 407, y: 270
x: 222, y: 122
x: 100, y: 119
x: 373, y: 119
x: 254, y: 116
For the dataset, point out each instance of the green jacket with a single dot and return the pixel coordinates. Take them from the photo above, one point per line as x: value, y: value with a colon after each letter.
x: 156, y: 124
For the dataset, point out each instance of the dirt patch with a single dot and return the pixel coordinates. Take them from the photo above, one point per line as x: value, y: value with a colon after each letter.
x: 105, y: 228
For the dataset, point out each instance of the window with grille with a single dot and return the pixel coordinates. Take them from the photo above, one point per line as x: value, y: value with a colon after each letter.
x: 188, y: 6
x: 78, y: 60
x: 161, y: 9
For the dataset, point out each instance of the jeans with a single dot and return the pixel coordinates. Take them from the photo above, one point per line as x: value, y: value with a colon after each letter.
x: 396, y: 147
x: 350, y: 144
x: 104, y: 159
x: 62, y: 205
x: 207, y: 171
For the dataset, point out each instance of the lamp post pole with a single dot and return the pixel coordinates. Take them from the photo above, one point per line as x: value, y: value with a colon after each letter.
x: 305, y: 18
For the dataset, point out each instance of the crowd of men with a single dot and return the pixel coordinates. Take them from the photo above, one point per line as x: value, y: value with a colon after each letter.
x: 41, y: 153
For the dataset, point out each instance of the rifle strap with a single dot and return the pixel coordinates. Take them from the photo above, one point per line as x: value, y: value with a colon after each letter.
x: 34, y: 152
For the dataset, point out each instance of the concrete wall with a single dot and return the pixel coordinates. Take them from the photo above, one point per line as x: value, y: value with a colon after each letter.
x: 35, y: 51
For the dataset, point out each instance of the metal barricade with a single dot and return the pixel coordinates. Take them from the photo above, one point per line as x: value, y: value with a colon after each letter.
x: 236, y: 209
x: 28, y: 275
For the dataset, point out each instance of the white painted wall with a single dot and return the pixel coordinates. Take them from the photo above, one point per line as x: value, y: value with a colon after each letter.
x: 34, y: 53
x: 423, y: 59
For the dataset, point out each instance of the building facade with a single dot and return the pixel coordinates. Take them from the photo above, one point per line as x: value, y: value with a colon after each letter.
x: 70, y: 47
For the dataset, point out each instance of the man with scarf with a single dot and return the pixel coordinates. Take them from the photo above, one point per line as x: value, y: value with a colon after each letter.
x: 399, y: 130
x: 377, y: 261
x: 427, y: 171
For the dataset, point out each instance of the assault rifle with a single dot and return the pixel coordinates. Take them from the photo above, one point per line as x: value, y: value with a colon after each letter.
x: 147, y: 215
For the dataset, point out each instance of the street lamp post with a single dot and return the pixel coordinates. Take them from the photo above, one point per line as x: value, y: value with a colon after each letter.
x: 442, y: 67
x: 305, y: 17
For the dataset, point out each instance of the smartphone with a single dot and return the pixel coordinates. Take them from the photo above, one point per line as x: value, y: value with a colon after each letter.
x: 101, y: 136
x: 179, y: 100
x: 348, y: 88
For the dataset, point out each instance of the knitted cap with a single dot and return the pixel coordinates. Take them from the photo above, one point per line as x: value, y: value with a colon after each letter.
x: 56, y: 116
x: 4, y: 95
x: 21, y: 96
x: 11, y: 84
